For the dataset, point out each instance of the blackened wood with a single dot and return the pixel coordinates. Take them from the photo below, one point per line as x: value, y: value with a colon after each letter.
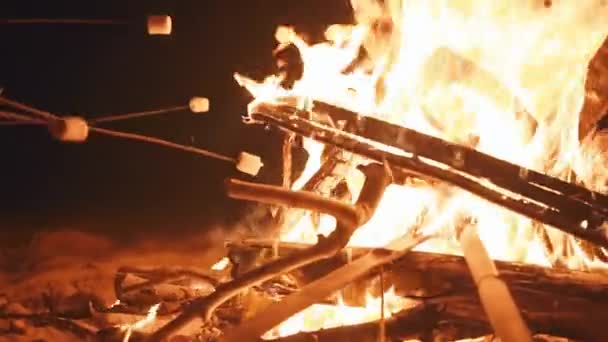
x: 548, y: 206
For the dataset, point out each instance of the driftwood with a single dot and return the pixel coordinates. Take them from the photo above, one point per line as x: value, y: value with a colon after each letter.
x: 568, y: 207
x: 558, y: 302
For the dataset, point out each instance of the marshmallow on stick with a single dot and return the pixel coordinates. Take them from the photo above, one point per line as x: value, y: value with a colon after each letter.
x: 69, y: 129
x: 199, y: 104
x: 159, y: 25
x: 249, y: 163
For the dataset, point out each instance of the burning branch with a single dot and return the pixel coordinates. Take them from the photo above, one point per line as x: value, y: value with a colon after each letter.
x: 349, y: 218
x: 570, y: 208
x: 75, y: 129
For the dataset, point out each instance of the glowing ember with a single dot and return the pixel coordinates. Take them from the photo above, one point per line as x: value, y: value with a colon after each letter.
x: 320, y: 316
x: 506, y: 78
x: 149, y: 319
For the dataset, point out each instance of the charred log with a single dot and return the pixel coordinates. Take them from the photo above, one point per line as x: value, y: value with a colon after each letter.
x: 568, y: 207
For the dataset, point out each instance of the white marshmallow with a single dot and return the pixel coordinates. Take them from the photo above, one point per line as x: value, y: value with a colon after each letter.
x: 159, y: 25
x: 284, y: 34
x: 249, y: 163
x: 199, y: 104
x: 70, y: 129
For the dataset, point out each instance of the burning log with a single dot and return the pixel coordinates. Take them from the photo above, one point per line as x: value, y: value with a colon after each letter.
x: 570, y: 208
x: 558, y: 302
x: 417, y: 322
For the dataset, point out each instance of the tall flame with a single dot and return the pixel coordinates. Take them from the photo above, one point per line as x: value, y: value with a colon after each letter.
x: 504, y: 77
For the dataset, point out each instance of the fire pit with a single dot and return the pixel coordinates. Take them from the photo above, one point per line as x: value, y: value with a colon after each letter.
x: 452, y: 191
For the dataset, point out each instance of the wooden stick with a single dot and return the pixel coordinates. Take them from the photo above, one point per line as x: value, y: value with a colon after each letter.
x: 495, y: 296
x: 157, y: 141
x: 38, y: 21
x: 127, y: 116
x: 16, y: 117
x: 348, y: 221
x: 44, y: 115
x: 288, y: 140
x: 270, y: 194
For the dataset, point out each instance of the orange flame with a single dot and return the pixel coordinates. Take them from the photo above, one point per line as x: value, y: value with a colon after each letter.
x: 506, y: 78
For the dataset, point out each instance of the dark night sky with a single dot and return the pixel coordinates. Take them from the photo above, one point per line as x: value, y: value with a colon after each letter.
x: 113, y: 185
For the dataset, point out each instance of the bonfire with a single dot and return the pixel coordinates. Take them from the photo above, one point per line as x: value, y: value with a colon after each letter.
x: 455, y: 189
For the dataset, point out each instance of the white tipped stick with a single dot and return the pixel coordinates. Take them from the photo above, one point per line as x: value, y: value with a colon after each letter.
x: 159, y: 25
x: 249, y: 163
x: 199, y: 105
x: 69, y: 129
x: 496, y: 299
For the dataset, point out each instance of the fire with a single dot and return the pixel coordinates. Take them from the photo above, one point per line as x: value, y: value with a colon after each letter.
x: 321, y: 316
x: 506, y: 78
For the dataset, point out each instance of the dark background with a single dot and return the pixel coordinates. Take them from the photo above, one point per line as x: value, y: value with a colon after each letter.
x: 116, y: 186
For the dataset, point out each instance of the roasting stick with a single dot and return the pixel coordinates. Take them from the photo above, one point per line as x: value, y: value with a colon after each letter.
x: 196, y: 105
x: 156, y: 24
x: 36, y: 21
x: 121, y: 117
x: 162, y: 142
x: 320, y: 289
x: 75, y: 129
x: 18, y: 118
x: 43, y: 115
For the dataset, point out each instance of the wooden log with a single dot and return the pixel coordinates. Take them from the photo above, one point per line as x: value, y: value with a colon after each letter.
x: 558, y: 302
x: 540, y: 197
x: 413, y: 323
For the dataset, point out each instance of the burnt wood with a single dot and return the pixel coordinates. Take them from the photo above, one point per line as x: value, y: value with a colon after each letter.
x: 568, y: 207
